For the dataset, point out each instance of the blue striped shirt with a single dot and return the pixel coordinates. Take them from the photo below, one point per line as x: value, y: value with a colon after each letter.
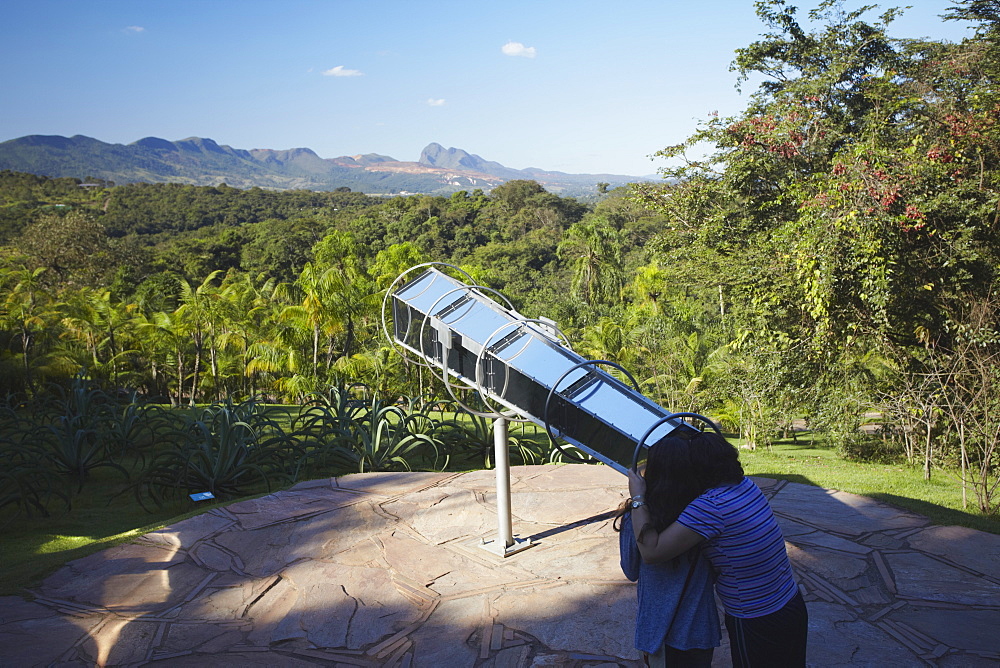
x: 745, y: 545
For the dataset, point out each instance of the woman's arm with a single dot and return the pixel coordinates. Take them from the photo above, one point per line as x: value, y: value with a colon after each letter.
x: 654, y: 546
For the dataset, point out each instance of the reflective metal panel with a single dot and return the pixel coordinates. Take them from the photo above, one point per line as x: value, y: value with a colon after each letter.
x: 518, y: 364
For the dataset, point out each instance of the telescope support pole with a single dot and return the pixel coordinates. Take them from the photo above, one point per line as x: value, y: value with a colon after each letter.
x: 505, y: 544
x: 501, y: 457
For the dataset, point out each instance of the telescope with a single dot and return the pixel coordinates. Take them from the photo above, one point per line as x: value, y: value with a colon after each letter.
x: 523, y: 369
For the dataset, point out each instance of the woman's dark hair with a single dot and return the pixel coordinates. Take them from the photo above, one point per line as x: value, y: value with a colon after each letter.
x: 681, y: 466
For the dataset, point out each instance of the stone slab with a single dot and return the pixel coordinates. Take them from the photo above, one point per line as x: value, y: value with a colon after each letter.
x: 188, y: 532
x: 443, y: 513
x: 31, y: 635
x: 268, y: 550
x: 919, y: 576
x: 838, y: 637
x: 285, y: 507
x: 126, y: 581
x: 387, y: 569
x: 462, y: 621
x: 119, y: 642
x: 803, y: 534
x: 972, y: 630
x: 973, y: 549
x: 578, y: 617
x: 567, y: 506
x: 840, y: 512
x: 445, y: 572
x: 337, y: 606
x: 235, y: 660
x: 391, y: 484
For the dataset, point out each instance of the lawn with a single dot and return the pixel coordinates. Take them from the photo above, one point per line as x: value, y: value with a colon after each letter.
x: 34, y: 547
x: 939, y: 499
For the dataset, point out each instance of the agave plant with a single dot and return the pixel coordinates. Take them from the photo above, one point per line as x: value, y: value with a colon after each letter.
x: 470, y: 435
x: 77, y: 437
x: 131, y: 425
x: 218, y: 453
x: 390, y: 438
x: 26, y: 484
x: 326, y: 431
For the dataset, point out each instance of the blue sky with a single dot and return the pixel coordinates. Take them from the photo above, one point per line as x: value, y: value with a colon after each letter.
x: 575, y: 86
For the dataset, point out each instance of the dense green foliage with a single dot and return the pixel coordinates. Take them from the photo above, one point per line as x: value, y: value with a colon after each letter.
x: 832, y: 262
x: 228, y: 449
x: 848, y: 220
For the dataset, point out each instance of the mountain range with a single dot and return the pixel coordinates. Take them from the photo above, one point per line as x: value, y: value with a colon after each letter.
x: 201, y: 161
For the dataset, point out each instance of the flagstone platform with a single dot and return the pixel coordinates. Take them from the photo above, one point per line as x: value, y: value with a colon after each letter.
x: 390, y: 570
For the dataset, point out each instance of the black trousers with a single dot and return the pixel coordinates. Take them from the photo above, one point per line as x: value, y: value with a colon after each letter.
x: 778, y: 639
x: 670, y: 657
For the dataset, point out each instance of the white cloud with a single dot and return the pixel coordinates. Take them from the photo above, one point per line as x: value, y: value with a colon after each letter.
x: 435, y: 103
x: 135, y: 29
x: 341, y: 71
x: 518, y: 49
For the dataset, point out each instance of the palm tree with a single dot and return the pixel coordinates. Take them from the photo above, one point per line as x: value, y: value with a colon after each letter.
x: 648, y: 287
x: 198, y: 313
x: 380, y: 370
x: 165, y: 339
x: 104, y: 329
x: 246, y: 314
x: 594, y: 248
x: 314, y: 314
x: 27, y: 311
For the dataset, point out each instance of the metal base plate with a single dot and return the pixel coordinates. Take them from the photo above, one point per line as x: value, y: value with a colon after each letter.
x: 495, y: 547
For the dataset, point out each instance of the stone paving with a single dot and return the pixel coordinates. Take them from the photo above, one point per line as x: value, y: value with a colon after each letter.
x: 390, y: 570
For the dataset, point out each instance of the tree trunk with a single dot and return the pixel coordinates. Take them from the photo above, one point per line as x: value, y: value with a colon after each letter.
x: 213, y: 360
x: 349, y: 338
x: 315, y: 352
x: 194, y: 378
x: 180, y: 378
x: 927, y: 454
x: 25, y: 344
x: 197, y: 368
x: 965, y: 466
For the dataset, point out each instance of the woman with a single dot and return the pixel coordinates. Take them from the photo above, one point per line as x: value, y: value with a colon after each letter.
x: 677, y: 623
x: 725, y: 514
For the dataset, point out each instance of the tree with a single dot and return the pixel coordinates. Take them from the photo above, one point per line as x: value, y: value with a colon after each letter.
x: 594, y: 250
x: 199, y: 315
x: 74, y: 248
x: 854, y: 198
x: 104, y: 327
x: 960, y: 394
x: 27, y: 312
x: 281, y: 248
x: 513, y: 195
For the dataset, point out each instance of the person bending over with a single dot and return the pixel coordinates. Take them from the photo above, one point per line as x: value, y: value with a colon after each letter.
x: 726, y: 515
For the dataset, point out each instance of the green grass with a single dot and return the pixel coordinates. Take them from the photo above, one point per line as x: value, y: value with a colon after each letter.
x: 33, y: 547
x: 939, y: 499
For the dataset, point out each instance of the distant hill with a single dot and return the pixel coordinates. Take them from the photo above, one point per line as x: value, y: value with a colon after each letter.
x: 201, y: 161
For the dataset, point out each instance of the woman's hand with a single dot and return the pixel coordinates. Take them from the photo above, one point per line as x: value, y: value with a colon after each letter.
x: 636, y: 484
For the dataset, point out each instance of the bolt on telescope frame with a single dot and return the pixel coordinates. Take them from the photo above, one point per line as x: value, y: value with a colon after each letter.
x: 526, y: 367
